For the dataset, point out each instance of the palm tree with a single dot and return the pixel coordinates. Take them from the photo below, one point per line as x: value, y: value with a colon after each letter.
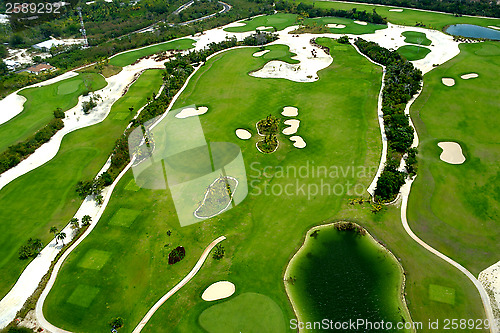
x: 74, y: 223
x: 53, y: 230
x: 60, y: 236
x: 86, y: 220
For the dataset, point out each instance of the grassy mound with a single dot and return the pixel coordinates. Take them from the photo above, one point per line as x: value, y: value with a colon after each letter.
x: 413, y: 52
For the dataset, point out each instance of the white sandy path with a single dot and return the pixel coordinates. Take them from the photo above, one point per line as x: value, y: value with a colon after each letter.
x: 260, y: 53
x: 172, y: 291
x: 398, y: 10
x: 75, y: 119
x: 335, y: 26
x: 12, y: 105
x: 243, y: 134
x: 298, y: 142
x: 361, y: 22
x: 218, y: 290
x: 490, y: 279
x: 452, y: 153
x: 494, y: 27
x: 448, y: 81
x: 290, y: 111
x: 469, y: 76
x: 293, y: 126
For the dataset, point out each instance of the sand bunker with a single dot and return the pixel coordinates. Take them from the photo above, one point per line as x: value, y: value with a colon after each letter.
x: 449, y: 82
x: 469, y: 76
x: 243, y: 134
x: 260, y: 53
x: 490, y: 279
x: 263, y: 28
x: 290, y: 111
x: 360, y: 22
x: 298, y: 141
x: 452, y: 153
x: 335, y: 26
x: 218, y: 290
x: 399, y: 10
x: 294, y: 126
x: 190, y: 112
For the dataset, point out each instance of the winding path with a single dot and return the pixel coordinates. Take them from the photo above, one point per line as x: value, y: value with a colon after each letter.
x: 178, y: 286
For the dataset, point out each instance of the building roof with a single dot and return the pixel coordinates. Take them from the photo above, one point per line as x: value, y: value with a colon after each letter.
x: 39, y: 68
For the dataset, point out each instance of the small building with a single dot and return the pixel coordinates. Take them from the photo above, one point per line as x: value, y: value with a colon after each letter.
x: 39, y: 68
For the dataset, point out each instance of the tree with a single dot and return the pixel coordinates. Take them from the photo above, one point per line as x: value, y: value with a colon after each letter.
x: 176, y: 255
x: 53, y: 230
x: 60, y: 236
x: 169, y: 233
x: 218, y: 252
x: 116, y: 323
x: 74, y: 223
x: 86, y: 219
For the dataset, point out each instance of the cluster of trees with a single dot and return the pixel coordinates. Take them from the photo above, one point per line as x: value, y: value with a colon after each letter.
x: 18, y: 152
x: 89, y: 105
x: 350, y: 226
x: 269, y: 128
x: 31, y: 249
x: 218, y: 252
x: 199, y: 9
x: 307, y: 10
x: 176, y: 255
x: 469, y: 7
x: 94, y: 187
x: 402, y: 81
x: 116, y: 323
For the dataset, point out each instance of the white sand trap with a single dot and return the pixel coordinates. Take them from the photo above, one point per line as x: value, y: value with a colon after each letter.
x: 218, y: 290
x: 294, y: 126
x: 263, y: 28
x: 452, y: 153
x: 298, y: 142
x: 190, y: 112
x: 493, y: 27
x: 243, y: 134
x: 399, y: 10
x: 290, y: 111
x: 469, y: 76
x: 361, y: 22
x: 335, y: 26
x: 449, y: 82
x: 260, y: 53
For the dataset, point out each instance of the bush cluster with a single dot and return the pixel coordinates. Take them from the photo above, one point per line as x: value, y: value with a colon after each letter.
x: 176, y: 255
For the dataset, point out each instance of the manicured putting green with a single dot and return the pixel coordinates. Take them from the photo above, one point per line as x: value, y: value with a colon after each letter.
x: 83, y: 295
x: 413, y: 52
x: 278, y: 21
x: 442, y: 294
x: 249, y: 312
x: 415, y: 37
x: 69, y: 87
x: 94, y: 259
x: 132, y: 186
x: 129, y: 58
x: 124, y: 217
x: 350, y: 26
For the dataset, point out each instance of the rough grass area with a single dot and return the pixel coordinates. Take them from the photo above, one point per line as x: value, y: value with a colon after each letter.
x: 413, y: 52
x: 442, y: 294
x: 83, y: 295
x: 124, y: 217
x: 94, y: 259
x: 415, y: 37
x: 127, y: 58
x: 248, y: 312
x: 42, y: 102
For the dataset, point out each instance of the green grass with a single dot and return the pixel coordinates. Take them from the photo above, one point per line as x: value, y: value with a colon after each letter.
x: 42, y: 102
x: 248, y: 312
x: 415, y: 37
x: 413, y: 52
x: 409, y: 16
x: 128, y: 58
x: 46, y: 196
x: 94, y: 259
x: 132, y: 186
x: 442, y: 294
x: 83, y: 295
x: 279, y: 52
x: 279, y: 21
x: 456, y: 208
x: 350, y: 26
x: 124, y: 217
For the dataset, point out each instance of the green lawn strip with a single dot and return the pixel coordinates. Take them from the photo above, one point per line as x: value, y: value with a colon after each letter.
x: 42, y: 102
x: 409, y: 16
x: 129, y: 58
x: 343, y: 99
x: 415, y: 37
x: 46, y: 196
x: 455, y: 208
x: 413, y: 52
x: 94, y: 259
x: 279, y: 21
x: 350, y: 26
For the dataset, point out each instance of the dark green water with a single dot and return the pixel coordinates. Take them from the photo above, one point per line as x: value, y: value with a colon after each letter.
x: 342, y: 276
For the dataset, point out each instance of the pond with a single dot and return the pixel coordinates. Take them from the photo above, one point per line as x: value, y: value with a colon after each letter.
x: 475, y: 31
x: 342, y: 276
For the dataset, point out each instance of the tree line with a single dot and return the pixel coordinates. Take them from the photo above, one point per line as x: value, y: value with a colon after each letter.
x: 402, y: 81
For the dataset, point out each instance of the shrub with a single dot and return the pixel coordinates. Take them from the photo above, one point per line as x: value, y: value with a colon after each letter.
x: 176, y: 255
